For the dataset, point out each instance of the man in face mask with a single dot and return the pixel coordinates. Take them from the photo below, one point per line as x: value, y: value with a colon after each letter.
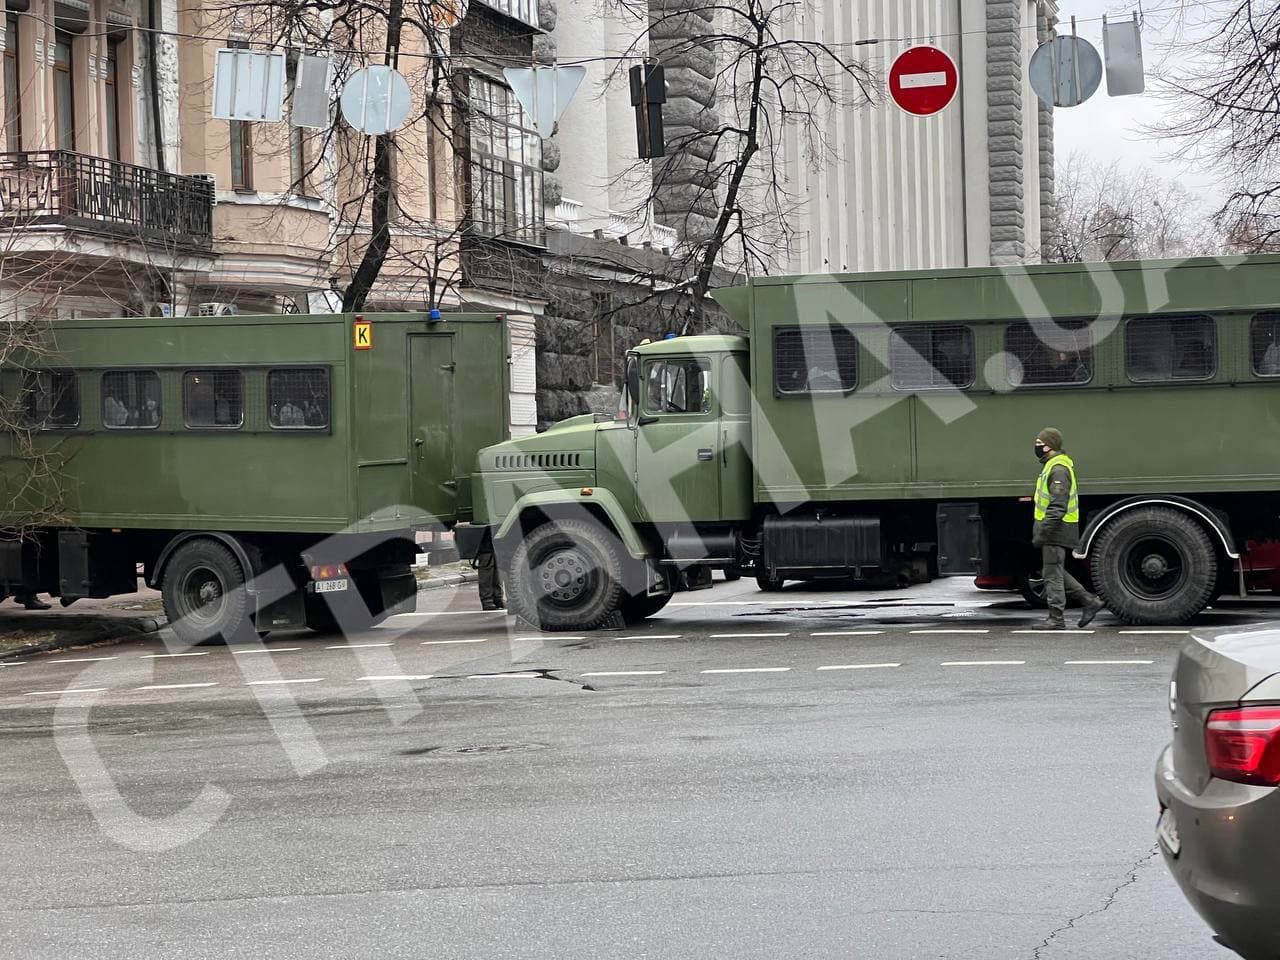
x: 1057, y: 529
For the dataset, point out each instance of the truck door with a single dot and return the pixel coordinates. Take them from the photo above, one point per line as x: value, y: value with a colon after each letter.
x: 678, y: 441
x: 433, y: 472
x: 736, y: 480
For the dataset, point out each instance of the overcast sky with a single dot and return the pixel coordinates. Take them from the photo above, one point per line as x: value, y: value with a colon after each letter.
x: 1110, y: 128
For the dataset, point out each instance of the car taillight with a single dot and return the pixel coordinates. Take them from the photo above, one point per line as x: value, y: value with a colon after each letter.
x: 329, y: 571
x: 1243, y: 744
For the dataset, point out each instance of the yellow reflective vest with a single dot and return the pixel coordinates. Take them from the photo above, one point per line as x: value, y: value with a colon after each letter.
x: 1042, y: 490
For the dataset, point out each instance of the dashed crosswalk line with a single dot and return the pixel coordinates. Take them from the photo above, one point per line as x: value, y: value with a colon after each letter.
x: 847, y: 633
x: 746, y: 636
x: 83, y: 659
x: 281, y: 683
x: 245, y: 653
x: 436, y: 643
x: 69, y: 690
x: 504, y: 676
x: 860, y: 666
x: 983, y: 663
x: 397, y: 677
x: 171, y: 656
x: 1157, y: 633
x: 749, y: 670
x: 177, y: 686
x: 1106, y: 663
x: 624, y: 673
x: 1047, y: 630
x: 652, y: 636
x: 356, y: 646
x: 944, y: 631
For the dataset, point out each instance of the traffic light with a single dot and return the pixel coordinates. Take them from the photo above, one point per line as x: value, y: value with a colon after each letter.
x: 648, y: 94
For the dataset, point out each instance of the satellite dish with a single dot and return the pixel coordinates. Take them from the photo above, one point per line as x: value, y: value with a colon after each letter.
x: 1065, y: 71
x: 376, y: 100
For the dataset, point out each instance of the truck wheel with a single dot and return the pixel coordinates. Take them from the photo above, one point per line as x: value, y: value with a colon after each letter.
x: 203, y: 592
x: 769, y: 584
x: 732, y: 574
x: 636, y: 609
x: 1154, y: 565
x: 566, y: 575
x: 1032, y: 590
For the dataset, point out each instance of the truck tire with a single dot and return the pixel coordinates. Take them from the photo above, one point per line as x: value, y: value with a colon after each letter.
x: 637, y: 609
x: 203, y: 592
x: 769, y: 584
x: 566, y: 575
x: 1032, y: 590
x: 1155, y: 565
x: 732, y: 574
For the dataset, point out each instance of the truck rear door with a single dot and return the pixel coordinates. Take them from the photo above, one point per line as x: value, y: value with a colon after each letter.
x: 431, y: 459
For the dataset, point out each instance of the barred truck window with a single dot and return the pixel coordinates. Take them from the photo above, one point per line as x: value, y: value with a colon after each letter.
x: 931, y: 357
x: 1170, y: 348
x: 1043, y: 353
x: 1264, y: 344
x: 50, y: 399
x: 810, y: 360
x: 213, y: 399
x: 131, y: 400
x: 298, y: 399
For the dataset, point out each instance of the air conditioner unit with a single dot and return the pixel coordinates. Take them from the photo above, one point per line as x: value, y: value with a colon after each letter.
x: 214, y: 309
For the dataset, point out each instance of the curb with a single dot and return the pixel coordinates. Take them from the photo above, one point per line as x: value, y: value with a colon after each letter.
x: 448, y: 580
x: 137, y: 627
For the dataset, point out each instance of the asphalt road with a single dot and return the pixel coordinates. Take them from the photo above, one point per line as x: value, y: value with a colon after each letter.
x: 805, y: 774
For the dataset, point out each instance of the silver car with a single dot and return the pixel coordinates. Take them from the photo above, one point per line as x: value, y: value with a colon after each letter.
x: 1218, y: 784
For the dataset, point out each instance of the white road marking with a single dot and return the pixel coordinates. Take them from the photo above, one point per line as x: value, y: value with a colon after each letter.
x: 1105, y: 663
x: 169, y: 656
x: 176, y: 686
x: 848, y: 633
x: 545, y: 636
x: 745, y: 636
x: 245, y: 653
x: 54, y: 693
x: 749, y: 670
x: 625, y: 673
x: 84, y: 660
x: 504, y: 676
x: 1158, y: 633
x: 860, y: 666
x: 425, y: 676
x: 452, y: 613
x: 356, y: 646
x: 429, y: 643
x: 653, y: 636
x: 274, y: 683
x: 910, y: 81
x: 983, y: 663
x: 1047, y: 630
x: 950, y: 631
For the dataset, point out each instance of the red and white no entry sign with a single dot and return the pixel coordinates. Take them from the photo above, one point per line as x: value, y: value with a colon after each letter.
x: 923, y: 80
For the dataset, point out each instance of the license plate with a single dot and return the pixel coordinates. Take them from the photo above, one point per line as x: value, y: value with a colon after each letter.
x: 1167, y: 831
x: 330, y: 586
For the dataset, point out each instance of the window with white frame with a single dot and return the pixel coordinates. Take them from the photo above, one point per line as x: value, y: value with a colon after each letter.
x: 506, y: 165
x: 526, y: 11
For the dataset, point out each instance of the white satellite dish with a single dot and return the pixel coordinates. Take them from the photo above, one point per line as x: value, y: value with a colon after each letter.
x: 376, y: 100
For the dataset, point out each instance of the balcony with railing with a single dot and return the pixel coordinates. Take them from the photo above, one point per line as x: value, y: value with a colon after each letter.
x: 57, y: 188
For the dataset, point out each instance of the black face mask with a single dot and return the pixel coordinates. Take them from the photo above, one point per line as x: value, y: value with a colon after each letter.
x: 1042, y: 452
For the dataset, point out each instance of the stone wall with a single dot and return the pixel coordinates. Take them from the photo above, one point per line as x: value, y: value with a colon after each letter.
x: 1004, y: 131
x: 682, y: 199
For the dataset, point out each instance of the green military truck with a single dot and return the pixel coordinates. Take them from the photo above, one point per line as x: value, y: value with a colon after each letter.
x: 881, y: 426
x: 264, y: 472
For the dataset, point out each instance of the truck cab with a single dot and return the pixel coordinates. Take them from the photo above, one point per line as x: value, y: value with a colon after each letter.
x: 599, y: 521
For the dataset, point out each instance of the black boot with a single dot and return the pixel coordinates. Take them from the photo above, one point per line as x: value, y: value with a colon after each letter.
x: 31, y: 602
x: 1054, y: 623
x: 1092, y: 607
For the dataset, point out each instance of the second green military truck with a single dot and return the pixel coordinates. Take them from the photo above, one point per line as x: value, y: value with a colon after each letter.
x: 263, y: 472
x: 881, y: 426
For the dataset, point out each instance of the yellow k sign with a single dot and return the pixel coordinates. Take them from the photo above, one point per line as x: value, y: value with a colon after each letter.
x: 363, y: 334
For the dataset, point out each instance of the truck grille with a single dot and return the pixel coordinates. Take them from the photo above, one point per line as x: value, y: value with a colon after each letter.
x: 538, y: 461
